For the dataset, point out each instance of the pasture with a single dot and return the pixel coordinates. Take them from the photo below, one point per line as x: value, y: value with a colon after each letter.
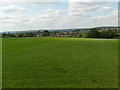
x: 60, y: 63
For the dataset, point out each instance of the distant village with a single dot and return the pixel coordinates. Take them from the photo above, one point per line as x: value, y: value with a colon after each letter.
x: 99, y: 32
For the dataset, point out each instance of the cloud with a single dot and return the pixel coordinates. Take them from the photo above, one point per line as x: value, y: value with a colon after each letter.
x: 78, y: 15
x: 102, y: 20
x: 12, y: 9
x: 57, y: 11
x: 93, y: 0
x: 47, y: 21
x: 44, y: 16
x: 32, y: 2
x: 59, y: 0
x: 15, y: 19
x: 14, y: 22
x: 104, y: 9
x: 82, y: 8
x: 19, y: 22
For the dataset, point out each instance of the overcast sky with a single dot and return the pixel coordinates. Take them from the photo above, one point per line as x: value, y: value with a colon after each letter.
x: 18, y: 15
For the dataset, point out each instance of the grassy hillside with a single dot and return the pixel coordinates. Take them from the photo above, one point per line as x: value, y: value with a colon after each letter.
x: 59, y: 62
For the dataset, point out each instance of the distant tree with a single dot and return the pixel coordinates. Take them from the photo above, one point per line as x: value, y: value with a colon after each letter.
x: 45, y: 33
x: 12, y: 35
x: 39, y: 31
x: 93, y: 33
x: 77, y: 35
x: 108, y: 34
x: 4, y: 35
x: 29, y: 34
x: 20, y: 35
x: 85, y: 35
x: 8, y: 35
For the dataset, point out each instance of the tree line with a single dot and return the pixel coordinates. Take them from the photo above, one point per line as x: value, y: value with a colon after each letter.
x: 92, y: 33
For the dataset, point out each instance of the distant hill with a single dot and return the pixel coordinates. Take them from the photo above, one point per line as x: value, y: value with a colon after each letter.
x: 107, y: 27
x: 46, y: 29
x: 41, y: 30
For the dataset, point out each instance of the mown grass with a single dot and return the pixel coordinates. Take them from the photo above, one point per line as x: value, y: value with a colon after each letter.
x: 60, y: 63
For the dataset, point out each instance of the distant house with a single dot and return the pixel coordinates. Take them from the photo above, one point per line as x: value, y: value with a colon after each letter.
x: 39, y: 35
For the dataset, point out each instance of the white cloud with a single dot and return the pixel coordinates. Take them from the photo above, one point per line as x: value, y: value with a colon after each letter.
x: 32, y: 2
x: 57, y: 11
x: 93, y: 0
x: 79, y: 15
x: 77, y: 8
x: 19, y: 22
x: 45, y: 21
x: 80, y: 8
x: 59, y: 0
x: 44, y: 16
x: 104, y: 9
x: 102, y: 20
x: 12, y: 9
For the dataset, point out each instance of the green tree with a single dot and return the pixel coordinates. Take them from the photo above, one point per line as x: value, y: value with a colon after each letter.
x: 20, y: 35
x: 107, y: 34
x: 29, y: 34
x: 45, y: 33
x: 85, y: 35
x: 93, y: 33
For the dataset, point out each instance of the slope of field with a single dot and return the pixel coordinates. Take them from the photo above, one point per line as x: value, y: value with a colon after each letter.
x: 60, y: 63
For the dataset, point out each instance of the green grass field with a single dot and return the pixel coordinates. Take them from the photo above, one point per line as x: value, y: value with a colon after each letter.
x: 0, y: 63
x: 60, y: 63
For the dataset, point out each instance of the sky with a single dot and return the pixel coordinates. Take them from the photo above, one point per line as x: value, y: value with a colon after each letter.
x: 25, y: 15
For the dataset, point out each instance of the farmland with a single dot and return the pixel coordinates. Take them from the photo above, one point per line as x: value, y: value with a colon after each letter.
x: 44, y: 62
